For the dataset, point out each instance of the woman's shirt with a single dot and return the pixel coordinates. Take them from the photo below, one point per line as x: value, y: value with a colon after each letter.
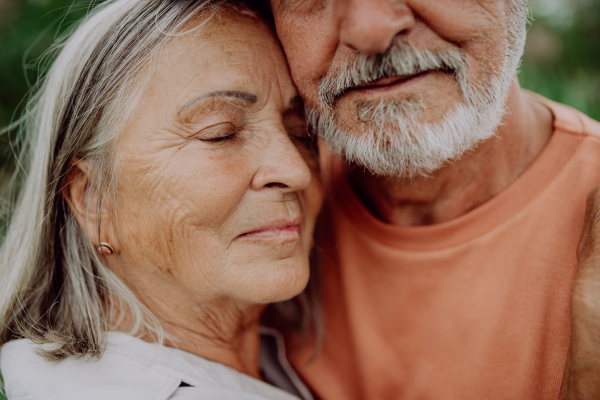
x: 133, y: 369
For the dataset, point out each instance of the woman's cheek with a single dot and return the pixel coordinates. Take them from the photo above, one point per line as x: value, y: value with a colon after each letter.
x: 173, y: 197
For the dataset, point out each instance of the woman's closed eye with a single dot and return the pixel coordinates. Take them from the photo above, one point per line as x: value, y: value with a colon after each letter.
x: 217, y: 133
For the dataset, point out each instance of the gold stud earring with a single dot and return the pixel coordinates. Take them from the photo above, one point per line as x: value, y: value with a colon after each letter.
x: 105, y: 248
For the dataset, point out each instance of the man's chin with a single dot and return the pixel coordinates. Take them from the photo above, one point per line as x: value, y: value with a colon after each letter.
x: 393, y: 145
x: 384, y: 155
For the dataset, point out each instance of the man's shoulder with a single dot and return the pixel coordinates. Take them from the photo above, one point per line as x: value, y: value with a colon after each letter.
x: 591, y: 127
x: 568, y: 119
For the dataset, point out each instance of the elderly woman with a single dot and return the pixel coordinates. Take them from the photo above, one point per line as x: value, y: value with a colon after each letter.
x: 167, y: 201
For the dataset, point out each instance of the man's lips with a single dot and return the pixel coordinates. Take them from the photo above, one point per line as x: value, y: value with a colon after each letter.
x: 388, y: 83
x: 280, y: 229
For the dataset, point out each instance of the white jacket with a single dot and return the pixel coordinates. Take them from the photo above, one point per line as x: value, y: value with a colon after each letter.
x: 132, y: 369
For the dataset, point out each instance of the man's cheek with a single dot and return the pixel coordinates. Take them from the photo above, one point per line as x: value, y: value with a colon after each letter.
x: 461, y: 21
x: 304, y: 70
x: 309, y: 42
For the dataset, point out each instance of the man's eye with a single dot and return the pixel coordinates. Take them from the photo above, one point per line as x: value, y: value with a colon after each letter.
x: 218, y: 133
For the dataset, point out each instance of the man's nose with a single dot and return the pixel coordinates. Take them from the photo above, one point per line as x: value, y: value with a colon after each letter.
x: 370, y: 26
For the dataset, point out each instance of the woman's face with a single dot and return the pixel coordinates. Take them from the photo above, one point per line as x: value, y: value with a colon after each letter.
x: 215, y: 199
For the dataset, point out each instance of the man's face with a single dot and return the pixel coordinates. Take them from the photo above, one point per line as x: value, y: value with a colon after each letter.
x: 402, y: 86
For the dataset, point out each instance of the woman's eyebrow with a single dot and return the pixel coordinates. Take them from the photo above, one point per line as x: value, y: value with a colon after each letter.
x: 247, y: 97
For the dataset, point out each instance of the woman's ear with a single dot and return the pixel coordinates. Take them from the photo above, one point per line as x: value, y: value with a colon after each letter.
x: 83, y: 199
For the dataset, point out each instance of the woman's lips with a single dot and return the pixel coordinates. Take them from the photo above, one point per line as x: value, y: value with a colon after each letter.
x: 288, y: 229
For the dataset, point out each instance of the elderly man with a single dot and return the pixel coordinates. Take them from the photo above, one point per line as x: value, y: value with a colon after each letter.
x: 456, y: 200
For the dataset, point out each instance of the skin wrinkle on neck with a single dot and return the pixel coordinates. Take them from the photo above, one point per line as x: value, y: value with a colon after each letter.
x: 220, y: 335
x: 221, y: 330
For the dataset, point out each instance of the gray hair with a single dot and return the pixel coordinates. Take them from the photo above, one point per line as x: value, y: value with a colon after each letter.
x: 54, y: 288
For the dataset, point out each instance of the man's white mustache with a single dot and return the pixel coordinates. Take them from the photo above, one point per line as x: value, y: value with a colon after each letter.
x: 401, y: 59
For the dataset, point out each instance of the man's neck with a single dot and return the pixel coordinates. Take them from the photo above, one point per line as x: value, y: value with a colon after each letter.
x: 466, y: 183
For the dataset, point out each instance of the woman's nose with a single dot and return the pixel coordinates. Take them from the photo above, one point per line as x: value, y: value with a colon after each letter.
x: 282, y: 166
x: 370, y: 26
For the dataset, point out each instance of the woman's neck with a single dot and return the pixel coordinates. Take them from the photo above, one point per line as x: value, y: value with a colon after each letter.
x: 226, y: 335
x: 221, y: 331
x: 238, y: 350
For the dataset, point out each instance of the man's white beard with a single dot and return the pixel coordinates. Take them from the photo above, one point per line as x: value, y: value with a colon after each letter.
x: 390, y: 138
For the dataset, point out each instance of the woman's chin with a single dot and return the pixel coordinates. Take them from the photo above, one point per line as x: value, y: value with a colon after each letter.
x: 278, y: 283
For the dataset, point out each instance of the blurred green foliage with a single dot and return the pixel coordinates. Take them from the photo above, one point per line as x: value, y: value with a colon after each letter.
x: 562, y: 55
x: 27, y: 29
x: 562, y: 59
